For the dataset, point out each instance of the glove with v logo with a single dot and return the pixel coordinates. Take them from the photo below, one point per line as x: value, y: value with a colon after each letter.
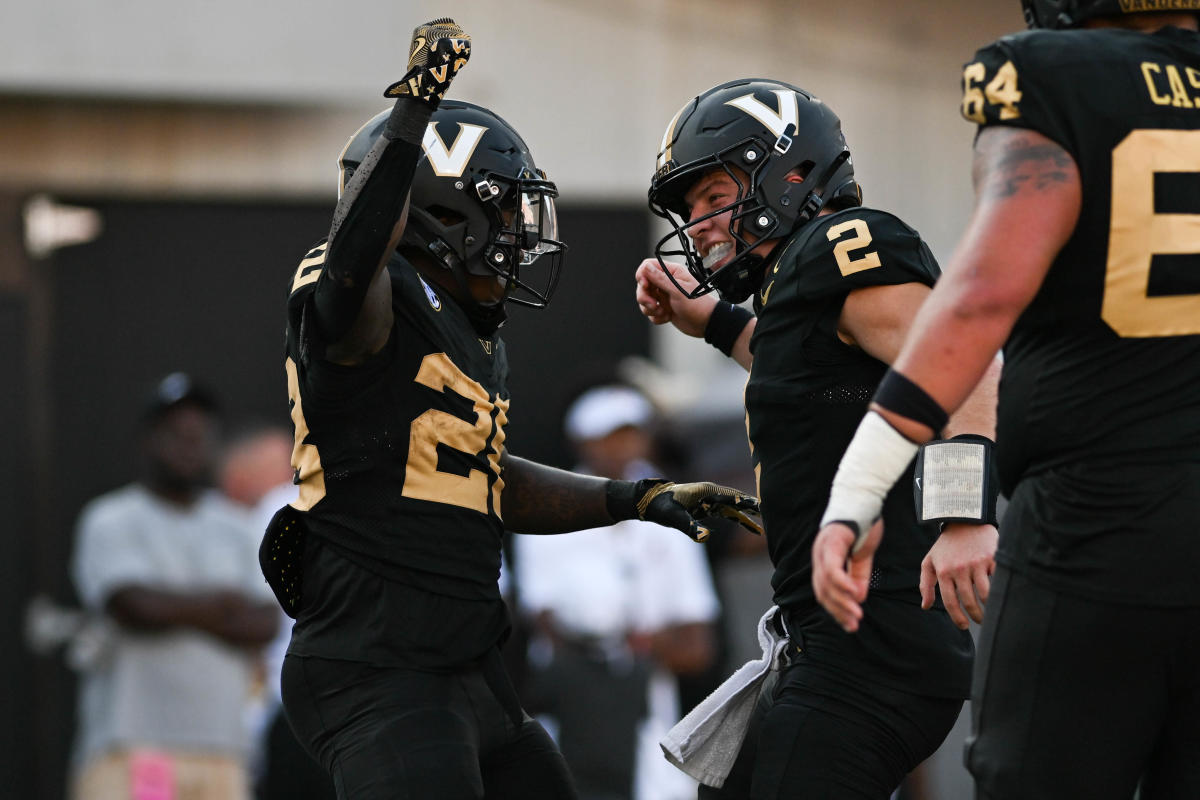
x: 440, y: 48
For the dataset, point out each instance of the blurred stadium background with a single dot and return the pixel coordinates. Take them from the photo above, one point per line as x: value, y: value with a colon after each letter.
x: 164, y: 166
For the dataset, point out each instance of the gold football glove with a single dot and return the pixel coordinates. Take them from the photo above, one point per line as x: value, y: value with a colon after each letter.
x: 439, y: 50
x: 680, y: 505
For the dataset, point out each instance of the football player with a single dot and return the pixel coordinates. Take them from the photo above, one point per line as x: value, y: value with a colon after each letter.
x: 396, y: 374
x: 755, y: 177
x: 1081, y: 260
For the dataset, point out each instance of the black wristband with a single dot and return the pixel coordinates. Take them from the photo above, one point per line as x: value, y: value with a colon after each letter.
x: 899, y: 395
x: 621, y: 497
x: 726, y: 325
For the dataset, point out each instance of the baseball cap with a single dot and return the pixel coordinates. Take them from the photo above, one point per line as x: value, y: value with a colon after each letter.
x: 602, y: 410
x: 174, y: 390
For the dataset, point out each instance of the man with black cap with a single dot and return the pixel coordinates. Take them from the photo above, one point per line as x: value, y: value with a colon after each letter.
x: 172, y: 567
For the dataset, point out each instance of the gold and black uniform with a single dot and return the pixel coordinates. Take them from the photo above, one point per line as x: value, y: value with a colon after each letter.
x: 1086, y: 677
x: 807, y: 393
x: 400, y: 483
x: 1099, y: 395
x: 851, y: 714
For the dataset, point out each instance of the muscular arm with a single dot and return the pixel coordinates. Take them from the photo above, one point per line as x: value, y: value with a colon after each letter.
x: 228, y: 615
x: 353, y: 295
x: 1028, y: 200
x: 542, y: 499
x: 1027, y: 203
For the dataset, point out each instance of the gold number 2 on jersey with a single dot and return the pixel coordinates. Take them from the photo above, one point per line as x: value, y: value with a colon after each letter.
x: 422, y: 479
x: 843, y: 249
x: 1137, y: 233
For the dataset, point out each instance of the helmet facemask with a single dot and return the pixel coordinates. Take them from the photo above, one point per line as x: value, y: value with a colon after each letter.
x: 781, y: 147
x: 737, y: 277
x: 525, y: 252
x: 754, y: 169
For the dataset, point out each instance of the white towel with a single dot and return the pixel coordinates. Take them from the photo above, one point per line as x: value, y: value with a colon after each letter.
x: 705, y: 743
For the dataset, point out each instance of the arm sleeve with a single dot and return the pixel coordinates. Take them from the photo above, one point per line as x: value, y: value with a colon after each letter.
x: 366, y: 217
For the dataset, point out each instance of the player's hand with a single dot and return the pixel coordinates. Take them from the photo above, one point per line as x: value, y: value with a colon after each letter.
x: 960, y: 564
x: 660, y: 301
x: 841, y: 573
x: 680, y: 505
x: 439, y: 49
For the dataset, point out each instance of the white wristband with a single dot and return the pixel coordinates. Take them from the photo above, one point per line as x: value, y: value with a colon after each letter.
x: 875, y: 459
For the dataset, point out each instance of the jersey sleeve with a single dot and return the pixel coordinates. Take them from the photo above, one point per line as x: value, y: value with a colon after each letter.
x: 302, y: 335
x: 1003, y: 85
x: 857, y: 248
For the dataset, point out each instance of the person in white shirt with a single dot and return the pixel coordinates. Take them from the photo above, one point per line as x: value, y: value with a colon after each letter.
x: 619, y: 613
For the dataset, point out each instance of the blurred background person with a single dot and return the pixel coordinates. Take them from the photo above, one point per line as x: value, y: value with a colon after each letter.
x: 256, y: 473
x: 172, y: 566
x: 618, y: 615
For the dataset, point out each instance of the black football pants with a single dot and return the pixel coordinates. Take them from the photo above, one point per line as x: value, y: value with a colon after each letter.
x: 821, y: 735
x: 1074, y: 698
x: 401, y: 734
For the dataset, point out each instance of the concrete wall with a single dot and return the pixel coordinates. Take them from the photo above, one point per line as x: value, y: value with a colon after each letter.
x: 257, y: 98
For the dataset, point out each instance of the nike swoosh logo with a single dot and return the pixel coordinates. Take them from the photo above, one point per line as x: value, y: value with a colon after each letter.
x: 918, y: 483
x: 767, y: 291
x: 418, y: 43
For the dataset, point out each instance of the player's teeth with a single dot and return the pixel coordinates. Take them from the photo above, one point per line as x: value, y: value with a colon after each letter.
x: 718, y: 252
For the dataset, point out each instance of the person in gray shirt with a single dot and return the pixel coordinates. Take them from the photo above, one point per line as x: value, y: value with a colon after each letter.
x: 171, y: 569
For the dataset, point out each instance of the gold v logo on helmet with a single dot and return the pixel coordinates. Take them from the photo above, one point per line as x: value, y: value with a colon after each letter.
x: 789, y: 112
x: 451, y: 162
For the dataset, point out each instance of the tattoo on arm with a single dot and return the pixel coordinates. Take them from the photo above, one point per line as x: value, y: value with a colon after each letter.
x: 1011, y: 161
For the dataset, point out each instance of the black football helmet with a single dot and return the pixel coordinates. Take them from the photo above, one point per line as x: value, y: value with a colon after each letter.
x: 479, y: 205
x: 1059, y: 14
x: 758, y: 131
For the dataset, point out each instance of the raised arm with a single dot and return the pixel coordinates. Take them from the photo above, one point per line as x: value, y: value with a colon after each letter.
x: 353, y: 293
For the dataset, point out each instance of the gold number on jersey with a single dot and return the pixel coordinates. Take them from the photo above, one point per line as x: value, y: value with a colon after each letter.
x: 1003, y: 92
x: 422, y: 479
x: 310, y: 268
x: 1000, y: 91
x: 1137, y: 233
x: 972, y: 102
x: 842, y: 250
x: 305, y: 458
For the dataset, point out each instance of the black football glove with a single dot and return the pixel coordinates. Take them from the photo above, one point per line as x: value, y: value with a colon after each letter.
x: 680, y: 505
x: 439, y: 50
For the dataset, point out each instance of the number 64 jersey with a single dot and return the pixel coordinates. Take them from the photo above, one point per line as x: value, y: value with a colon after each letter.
x: 1099, y: 424
x: 398, y: 461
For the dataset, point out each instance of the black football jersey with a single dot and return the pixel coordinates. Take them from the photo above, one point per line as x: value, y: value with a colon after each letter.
x: 1099, y: 395
x: 398, y: 461
x: 808, y: 390
x: 400, y: 457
